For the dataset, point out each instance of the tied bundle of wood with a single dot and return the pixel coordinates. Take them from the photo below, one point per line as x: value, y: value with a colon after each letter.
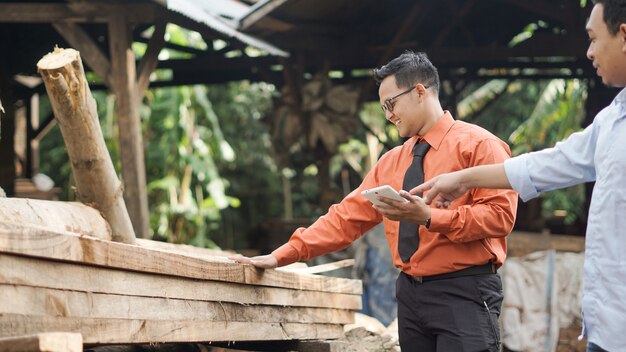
x: 75, y: 109
x: 327, y: 118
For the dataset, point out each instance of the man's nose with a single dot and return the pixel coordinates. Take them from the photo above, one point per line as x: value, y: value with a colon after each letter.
x: 590, y: 54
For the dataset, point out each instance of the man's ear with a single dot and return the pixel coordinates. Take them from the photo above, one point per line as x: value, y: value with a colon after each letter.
x: 622, y: 34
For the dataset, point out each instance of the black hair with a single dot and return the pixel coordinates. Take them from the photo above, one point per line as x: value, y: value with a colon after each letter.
x: 409, y: 69
x: 614, y: 13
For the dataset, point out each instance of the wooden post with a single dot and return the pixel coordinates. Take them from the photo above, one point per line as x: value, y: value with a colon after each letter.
x: 7, y: 130
x: 75, y: 109
x: 127, y: 108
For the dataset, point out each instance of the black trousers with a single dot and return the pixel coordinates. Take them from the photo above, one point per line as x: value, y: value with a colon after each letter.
x: 449, y: 315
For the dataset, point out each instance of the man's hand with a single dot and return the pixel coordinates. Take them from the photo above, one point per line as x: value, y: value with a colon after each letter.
x: 415, y: 210
x: 261, y: 261
x: 442, y: 189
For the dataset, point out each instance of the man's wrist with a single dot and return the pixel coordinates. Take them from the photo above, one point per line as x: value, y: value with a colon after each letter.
x: 425, y: 222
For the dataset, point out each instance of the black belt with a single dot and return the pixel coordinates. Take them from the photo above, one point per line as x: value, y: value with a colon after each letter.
x: 489, y: 268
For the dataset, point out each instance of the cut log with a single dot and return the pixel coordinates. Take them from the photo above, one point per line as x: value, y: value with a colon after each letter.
x: 46, y: 342
x: 75, y: 108
x: 17, y: 214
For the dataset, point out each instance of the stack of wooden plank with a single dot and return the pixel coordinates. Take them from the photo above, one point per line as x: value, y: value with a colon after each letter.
x: 116, y: 293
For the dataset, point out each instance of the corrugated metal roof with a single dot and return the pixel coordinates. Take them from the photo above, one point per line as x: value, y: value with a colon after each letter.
x: 217, y: 14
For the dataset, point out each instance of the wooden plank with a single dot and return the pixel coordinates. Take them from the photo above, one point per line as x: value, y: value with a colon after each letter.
x: 78, y: 12
x: 185, y: 249
x: 110, y: 331
x: 46, y: 342
x: 89, y: 50
x: 322, y: 268
x: 520, y: 243
x: 130, y: 135
x: 37, y: 301
x: 69, y: 247
x: 18, y: 270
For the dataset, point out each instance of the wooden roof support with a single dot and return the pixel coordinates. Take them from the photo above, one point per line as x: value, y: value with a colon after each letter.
x: 83, y: 11
x: 457, y: 21
x: 130, y: 136
x: 564, y: 14
x: 259, y: 11
x: 89, y: 50
x: 150, y: 60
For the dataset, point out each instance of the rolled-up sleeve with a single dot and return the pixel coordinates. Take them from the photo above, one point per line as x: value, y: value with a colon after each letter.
x: 517, y: 172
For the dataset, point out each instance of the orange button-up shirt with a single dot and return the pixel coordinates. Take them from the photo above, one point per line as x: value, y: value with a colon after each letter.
x: 470, y: 232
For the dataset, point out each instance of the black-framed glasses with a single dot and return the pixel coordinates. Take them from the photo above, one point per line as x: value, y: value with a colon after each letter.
x: 389, y: 103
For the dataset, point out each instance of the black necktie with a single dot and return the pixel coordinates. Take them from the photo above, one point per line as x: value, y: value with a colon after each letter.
x: 408, y: 238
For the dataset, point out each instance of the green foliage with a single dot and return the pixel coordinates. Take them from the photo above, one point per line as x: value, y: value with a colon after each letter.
x: 534, y: 115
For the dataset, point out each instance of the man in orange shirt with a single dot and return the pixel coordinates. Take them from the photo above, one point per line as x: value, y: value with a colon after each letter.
x: 449, y: 295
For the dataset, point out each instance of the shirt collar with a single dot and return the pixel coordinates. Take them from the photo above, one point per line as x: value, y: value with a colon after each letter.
x: 435, y: 134
x: 621, y: 97
x: 620, y: 103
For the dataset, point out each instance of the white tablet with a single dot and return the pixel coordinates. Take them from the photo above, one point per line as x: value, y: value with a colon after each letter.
x: 384, y: 191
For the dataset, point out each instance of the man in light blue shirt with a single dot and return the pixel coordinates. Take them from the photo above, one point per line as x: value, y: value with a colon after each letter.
x: 596, y: 154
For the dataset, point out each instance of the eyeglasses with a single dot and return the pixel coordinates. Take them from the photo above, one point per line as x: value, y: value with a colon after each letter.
x: 389, y: 103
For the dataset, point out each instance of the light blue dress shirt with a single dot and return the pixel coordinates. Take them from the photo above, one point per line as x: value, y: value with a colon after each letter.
x: 596, y: 154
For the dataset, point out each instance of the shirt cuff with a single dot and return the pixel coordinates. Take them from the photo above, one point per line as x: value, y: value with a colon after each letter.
x: 517, y: 172
x: 286, y: 254
x: 440, y: 220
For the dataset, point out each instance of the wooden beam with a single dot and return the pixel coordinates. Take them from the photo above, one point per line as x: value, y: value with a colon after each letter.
x: 150, y: 60
x: 123, y: 331
x: 44, y: 342
x: 563, y: 11
x: 7, y: 129
x: 70, y: 247
x: 130, y: 135
x: 89, y: 50
x: 38, y: 301
x: 258, y: 11
x: 458, y: 19
x: 37, y: 272
x: 87, y: 12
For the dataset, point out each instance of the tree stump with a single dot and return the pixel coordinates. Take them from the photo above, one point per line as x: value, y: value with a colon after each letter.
x: 75, y: 108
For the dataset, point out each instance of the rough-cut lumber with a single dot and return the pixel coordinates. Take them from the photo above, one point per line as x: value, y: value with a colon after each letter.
x: 322, y: 268
x: 182, y: 249
x: 520, y: 243
x: 21, y: 213
x: 37, y: 301
x: 75, y: 108
x: 19, y: 270
x: 115, y: 293
x: 101, y: 331
x: 46, y: 342
x: 69, y: 247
